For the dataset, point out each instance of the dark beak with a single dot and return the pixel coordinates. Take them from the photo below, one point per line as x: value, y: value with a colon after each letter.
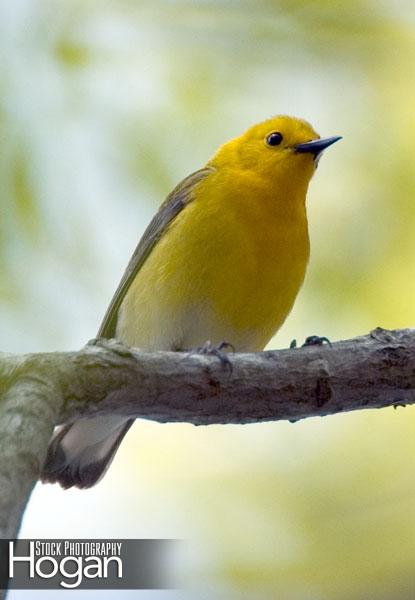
x: 317, y: 146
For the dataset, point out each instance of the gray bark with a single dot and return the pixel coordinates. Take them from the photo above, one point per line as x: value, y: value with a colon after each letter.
x: 38, y: 391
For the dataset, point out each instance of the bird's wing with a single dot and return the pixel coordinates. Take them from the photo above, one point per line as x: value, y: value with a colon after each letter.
x: 168, y: 211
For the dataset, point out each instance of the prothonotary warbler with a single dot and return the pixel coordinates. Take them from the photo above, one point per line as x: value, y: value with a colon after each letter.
x: 222, y: 260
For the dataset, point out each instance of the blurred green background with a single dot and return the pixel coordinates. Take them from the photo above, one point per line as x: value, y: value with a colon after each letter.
x: 104, y: 107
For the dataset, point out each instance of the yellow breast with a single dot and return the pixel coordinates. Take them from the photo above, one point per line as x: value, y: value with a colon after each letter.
x: 228, y: 268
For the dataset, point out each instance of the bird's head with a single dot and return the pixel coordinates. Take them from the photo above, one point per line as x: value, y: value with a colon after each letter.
x: 282, y: 149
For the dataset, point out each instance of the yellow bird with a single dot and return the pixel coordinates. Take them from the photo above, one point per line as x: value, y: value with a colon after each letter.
x: 222, y: 260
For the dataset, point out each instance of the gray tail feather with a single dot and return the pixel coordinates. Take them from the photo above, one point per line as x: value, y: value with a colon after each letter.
x: 82, y: 466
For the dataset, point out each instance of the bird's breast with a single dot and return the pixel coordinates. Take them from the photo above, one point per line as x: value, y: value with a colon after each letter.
x: 229, y: 268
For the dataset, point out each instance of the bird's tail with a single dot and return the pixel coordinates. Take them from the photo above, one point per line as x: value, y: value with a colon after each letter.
x: 81, y: 452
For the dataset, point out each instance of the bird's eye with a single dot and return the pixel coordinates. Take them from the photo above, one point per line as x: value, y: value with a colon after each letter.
x: 274, y: 139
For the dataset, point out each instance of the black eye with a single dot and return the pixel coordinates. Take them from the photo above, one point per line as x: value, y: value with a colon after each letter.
x: 274, y: 139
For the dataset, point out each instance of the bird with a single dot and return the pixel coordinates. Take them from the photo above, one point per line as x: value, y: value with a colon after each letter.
x: 223, y: 259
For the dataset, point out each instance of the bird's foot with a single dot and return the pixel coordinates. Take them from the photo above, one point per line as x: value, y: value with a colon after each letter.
x: 312, y: 340
x: 211, y: 350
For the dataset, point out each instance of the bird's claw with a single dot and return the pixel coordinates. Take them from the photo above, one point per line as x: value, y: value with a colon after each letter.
x: 312, y: 340
x: 211, y: 350
x: 316, y: 340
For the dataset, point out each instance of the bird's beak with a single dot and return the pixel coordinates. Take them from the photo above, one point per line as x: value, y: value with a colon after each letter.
x: 316, y: 147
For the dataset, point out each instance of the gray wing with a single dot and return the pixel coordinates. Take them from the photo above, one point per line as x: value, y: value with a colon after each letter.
x: 171, y: 207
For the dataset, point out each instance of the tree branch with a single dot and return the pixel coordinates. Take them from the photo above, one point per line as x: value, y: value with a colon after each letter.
x: 38, y: 391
